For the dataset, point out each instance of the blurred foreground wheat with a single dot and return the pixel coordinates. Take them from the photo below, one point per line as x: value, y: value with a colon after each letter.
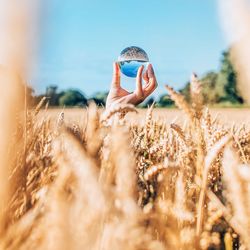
x: 110, y: 184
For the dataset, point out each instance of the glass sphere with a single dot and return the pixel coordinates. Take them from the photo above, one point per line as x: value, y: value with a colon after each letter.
x: 131, y: 59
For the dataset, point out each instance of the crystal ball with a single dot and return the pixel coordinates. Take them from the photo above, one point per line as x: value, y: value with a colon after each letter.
x: 131, y: 59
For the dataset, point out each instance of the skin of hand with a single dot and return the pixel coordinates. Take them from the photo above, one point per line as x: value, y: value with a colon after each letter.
x: 118, y: 95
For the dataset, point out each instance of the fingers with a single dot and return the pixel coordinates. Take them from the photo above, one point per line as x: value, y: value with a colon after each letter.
x: 145, y: 76
x: 151, y: 72
x: 138, y: 89
x: 116, y: 76
x: 152, y: 83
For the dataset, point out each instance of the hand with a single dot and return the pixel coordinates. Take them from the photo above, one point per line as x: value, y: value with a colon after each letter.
x: 119, y: 95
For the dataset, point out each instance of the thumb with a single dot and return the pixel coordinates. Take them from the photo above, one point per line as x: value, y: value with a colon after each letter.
x: 116, y: 76
x: 138, y: 89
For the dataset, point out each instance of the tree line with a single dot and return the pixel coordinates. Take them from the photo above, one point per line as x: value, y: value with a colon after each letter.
x: 217, y: 88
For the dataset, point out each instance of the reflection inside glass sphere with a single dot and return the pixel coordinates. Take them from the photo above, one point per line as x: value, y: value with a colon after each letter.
x: 131, y: 59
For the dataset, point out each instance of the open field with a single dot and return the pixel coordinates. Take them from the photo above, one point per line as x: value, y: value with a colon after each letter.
x: 122, y: 178
x: 157, y: 180
x: 226, y: 115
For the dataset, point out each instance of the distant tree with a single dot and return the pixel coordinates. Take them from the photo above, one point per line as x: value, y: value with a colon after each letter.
x: 218, y: 87
x: 72, y: 97
x: 99, y: 98
x: 165, y: 101
x: 147, y: 103
x: 51, y: 93
x: 209, y: 87
x: 226, y: 84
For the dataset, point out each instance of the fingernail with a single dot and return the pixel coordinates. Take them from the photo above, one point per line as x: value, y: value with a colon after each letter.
x: 151, y: 67
x: 141, y: 68
x: 116, y: 66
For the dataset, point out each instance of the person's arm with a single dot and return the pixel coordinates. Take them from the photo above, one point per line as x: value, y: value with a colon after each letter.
x: 118, y: 95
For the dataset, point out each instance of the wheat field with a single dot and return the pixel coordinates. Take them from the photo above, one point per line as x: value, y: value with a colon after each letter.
x: 123, y: 179
x: 228, y: 116
x: 104, y: 180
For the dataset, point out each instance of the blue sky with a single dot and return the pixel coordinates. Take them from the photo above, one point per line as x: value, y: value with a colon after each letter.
x: 81, y: 39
